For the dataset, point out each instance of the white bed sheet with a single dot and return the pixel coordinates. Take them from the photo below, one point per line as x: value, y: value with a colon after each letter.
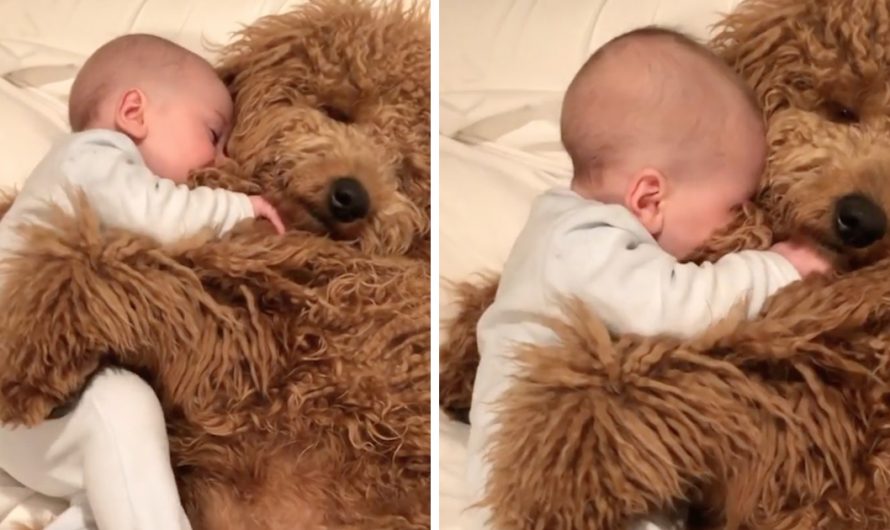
x: 504, y: 66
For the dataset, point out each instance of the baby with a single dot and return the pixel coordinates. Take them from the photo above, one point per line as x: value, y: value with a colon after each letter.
x: 145, y: 112
x: 665, y: 143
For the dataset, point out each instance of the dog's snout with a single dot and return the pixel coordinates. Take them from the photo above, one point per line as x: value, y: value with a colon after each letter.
x: 859, y: 221
x: 349, y: 200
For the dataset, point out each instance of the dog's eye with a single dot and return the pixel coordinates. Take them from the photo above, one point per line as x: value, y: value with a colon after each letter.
x: 336, y: 114
x: 839, y: 113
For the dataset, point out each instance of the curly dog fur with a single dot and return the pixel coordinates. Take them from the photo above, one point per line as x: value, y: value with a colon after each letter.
x: 777, y: 423
x: 294, y: 371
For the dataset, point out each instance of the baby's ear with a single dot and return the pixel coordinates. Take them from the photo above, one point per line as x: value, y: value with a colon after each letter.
x: 645, y: 198
x: 129, y: 114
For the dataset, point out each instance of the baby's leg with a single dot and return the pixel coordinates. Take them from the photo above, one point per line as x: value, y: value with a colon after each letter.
x: 493, y: 377
x: 128, y: 477
x: 112, y: 446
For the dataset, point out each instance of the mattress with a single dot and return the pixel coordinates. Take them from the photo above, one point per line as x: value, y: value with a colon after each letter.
x: 504, y: 66
x: 42, y: 43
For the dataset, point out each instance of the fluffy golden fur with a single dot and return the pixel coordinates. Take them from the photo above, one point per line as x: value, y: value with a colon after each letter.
x: 778, y: 423
x: 293, y: 370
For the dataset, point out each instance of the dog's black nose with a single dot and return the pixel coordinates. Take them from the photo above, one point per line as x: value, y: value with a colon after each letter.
x: 859, y: 222
x: 349, y: 200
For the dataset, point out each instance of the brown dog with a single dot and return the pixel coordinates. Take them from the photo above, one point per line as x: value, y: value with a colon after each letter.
x: 778, y: 423
x: 293, y: 370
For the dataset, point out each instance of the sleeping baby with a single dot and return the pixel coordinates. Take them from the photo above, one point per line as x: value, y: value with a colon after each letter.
x: 144, y: 112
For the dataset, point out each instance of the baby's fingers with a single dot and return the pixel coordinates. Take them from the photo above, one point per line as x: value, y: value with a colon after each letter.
x: 271, y: 214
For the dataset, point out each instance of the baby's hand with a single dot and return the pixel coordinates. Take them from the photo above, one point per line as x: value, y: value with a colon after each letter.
x: 805, y: 257
x: 262, y: 208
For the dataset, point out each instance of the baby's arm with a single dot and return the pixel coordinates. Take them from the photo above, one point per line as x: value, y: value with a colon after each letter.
x: 128, y: 195
x: 638, y: 287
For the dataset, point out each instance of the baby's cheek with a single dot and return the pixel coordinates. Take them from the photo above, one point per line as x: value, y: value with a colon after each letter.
x: 722, y: 220
x: 205, y: 155
x: 710, y: 224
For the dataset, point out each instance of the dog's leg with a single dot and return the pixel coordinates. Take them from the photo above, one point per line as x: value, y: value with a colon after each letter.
x: 458, y: 355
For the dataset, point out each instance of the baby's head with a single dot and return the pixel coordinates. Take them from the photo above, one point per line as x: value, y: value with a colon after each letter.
x: 655, y: 121
x: 168, y: 100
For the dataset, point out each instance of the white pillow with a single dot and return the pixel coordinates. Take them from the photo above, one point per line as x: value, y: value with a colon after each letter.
x: 484, y: 196
x: 80, y: 26
x: 504, y: 54
x: 28, y: 132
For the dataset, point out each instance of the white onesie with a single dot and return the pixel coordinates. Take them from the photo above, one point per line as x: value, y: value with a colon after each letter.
x: 109, y: 456
x: 603, y: 255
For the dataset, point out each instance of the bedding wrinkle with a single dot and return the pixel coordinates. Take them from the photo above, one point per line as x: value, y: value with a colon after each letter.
x: 139, y: 9
x: 591, y: 30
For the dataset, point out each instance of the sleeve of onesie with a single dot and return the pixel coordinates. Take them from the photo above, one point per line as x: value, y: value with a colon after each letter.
x: 126, y: 194
x: 638, y: 287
